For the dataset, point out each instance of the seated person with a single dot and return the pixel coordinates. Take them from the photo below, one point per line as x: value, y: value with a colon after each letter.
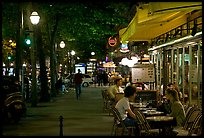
x: 114, y: 89
x: 141, y: 86
x: 123, y: 106
x: 177, y: 109
x: 175, y: 86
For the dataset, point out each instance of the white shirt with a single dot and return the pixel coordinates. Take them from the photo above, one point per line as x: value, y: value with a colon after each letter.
x: 122, y: 105
x: 120, y: 90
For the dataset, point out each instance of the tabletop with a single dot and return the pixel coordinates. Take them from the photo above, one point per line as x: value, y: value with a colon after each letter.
x: 161, y: 122
x: 160, y: 118
x: 138, y: 105
x: 152, y: 112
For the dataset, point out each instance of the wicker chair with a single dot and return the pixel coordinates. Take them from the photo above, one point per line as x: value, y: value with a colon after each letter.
x: 192, y: 115
x: 145, y: 128
x: 194, y: 130
x: 107, y: 102
x: 119, y: 126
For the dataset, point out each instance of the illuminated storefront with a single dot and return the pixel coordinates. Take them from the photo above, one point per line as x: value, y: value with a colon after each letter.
x: 174, y: 33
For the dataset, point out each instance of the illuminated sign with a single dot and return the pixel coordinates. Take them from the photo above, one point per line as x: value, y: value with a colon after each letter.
x: 124, y: 48
x: 112, y: 41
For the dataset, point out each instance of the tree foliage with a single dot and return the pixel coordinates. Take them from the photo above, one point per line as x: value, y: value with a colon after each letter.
x: 87, y: 24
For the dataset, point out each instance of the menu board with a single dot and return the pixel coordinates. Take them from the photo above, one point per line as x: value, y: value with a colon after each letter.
x: 143, y: 73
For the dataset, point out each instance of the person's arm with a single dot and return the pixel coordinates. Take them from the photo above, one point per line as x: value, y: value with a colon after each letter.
x: 110, y: 93
x: 131, y: 114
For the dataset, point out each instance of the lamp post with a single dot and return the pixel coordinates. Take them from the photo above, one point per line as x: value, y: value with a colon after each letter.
x: 93, y: 61
x: 22, y: 80
x: 62, y: 45
x: 73, y: 60
x: 34, y: 18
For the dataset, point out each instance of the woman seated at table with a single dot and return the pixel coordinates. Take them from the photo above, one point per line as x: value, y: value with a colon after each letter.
x: 166, y: 105
x: 175, y: 86
x: 123, y: 106
x: 177, y: 109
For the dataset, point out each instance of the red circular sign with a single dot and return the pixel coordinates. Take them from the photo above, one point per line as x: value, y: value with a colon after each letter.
x: 112, y: 41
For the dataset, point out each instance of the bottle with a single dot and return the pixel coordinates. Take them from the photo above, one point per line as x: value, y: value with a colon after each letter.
x: 140, y: 101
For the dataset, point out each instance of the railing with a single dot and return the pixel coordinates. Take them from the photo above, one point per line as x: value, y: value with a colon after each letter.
x: 189, y: 28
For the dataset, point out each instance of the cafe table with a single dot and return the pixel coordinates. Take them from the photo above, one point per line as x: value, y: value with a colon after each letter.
x: 152, y: 112
x: 161, y: 122
x: 138, y: 105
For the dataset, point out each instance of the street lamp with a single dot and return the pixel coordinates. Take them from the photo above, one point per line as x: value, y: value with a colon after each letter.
x: 62, y: 45
x: 73, y: 53
x: 34, y: 18
x: 92, y: 53
x: 73, y: 60
x: 93, y: 61
x: 22, y: 80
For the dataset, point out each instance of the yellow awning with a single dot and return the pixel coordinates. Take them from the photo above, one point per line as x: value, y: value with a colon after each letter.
x: 156, y: 18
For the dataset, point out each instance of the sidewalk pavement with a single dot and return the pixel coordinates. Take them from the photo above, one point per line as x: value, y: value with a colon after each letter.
x: 83, y: 117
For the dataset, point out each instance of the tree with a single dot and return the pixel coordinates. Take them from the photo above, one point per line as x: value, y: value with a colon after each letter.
x: 87, y: 24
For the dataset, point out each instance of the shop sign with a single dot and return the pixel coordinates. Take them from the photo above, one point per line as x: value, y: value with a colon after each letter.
x: 112, y: 41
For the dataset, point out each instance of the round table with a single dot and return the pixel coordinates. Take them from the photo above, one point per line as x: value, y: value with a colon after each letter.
x: 161, y: 122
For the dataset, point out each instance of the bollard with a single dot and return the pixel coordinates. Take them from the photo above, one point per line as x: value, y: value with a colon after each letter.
x: 61, y: 125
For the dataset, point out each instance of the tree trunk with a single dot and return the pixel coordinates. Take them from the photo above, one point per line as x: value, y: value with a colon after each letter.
x: 44, y: 95
x: 52, y: 59
x: 19, y: 43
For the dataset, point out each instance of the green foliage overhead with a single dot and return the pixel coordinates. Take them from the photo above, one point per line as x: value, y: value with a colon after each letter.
x: 84, y: 26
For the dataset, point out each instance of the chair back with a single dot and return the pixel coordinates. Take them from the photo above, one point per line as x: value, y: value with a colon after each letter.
x: 118, y: 122
x: 107, y: 102
x: 196, y: 127
x: 191, y: 116
x: 144, y: 125
x: 117, y: 116
x: 103, y: 93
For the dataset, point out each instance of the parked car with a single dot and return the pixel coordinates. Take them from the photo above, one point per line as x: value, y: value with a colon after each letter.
x: 87, y: 80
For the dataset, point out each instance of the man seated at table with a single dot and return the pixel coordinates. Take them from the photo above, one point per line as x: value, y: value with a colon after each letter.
x: 123, y: 105
x: 115, y: 91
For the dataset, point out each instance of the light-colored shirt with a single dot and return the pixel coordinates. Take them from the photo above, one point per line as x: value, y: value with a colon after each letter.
x: 112, y: 90
x: 120, y: 90
x: 122, y: 106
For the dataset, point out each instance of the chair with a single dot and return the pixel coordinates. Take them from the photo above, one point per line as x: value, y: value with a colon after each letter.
x: 107, y: 102
x: 118, y: 124
x: 145, y: 128
x: 195, y: 129
x: 192, y: 116
x: 103, y: 93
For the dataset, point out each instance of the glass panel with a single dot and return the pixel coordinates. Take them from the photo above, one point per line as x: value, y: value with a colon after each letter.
x: 175, y: 66
x: 169, y: 74
x: 195, y: 75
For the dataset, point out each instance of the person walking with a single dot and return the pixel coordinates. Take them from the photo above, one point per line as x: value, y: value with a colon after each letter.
x: 78, y: 81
